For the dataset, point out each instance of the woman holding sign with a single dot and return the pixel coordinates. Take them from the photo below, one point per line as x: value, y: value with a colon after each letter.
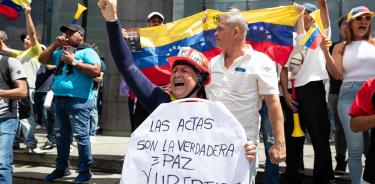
x: 189, y: 70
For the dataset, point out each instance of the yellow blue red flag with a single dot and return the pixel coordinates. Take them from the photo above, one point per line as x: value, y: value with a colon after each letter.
x: 315, y: 34
x: 12, y: 8
x: 270, y: 31
x: 312, y: 38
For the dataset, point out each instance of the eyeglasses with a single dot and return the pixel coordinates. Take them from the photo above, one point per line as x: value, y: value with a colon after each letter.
x: 360, y: 18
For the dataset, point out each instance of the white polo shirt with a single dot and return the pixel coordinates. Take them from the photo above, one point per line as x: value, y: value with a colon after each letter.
x: 241, y: 86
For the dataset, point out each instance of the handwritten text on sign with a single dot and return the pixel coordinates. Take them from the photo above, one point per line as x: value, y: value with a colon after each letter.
x: 187, y: 143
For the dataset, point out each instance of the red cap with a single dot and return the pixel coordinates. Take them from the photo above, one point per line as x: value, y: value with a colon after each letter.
x: 193, y: 57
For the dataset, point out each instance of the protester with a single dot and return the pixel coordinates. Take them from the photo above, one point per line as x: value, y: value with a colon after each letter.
x: 362, y: 114
x: 10, y: 88
x: 354, y: 59
x: 98, y: 83
x: 46, y: 115
x: 77, y: 65
x: 241, y: 76
x: 333, y: 98
x: 136, y: 109
x: 28, y: 58
x: 311, y: 102
x: 189, y: 70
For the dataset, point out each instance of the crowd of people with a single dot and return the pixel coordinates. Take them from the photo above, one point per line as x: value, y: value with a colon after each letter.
x: 256, y: 90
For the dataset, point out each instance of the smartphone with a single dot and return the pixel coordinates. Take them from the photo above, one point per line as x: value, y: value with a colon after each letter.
x: 69, y: 48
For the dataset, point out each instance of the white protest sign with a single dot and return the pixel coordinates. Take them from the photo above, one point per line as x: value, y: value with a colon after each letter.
x: 187, y: 143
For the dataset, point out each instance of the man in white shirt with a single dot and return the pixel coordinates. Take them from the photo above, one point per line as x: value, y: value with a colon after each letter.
x: 311, y: 103
x: 240, y: 78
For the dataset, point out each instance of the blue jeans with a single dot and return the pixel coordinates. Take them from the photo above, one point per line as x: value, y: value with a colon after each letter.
x: 340, y: 143
x: 27, y: 126
x: 271, y: 171
x: 94, y: 114
x: 8, y: 128
x: 73, y: 118
x: 46, y: 115
x: 354, y: 140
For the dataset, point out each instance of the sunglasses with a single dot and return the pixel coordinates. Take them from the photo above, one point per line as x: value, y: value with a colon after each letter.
x: 360, y: 18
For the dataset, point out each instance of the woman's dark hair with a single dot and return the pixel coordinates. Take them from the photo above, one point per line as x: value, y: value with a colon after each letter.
x: 342, y: 20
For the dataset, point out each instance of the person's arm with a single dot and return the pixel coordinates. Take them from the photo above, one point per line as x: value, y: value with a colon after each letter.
x: 30, y: 25
x: 330, y: 63
x: 92, y: 70
x: 322, y: 4
x: 284, y: 86
x: 149, y: 94
x: 19, y: 91
x: 6, y: 50
x: 277, y: 151
x: 46, y: 56
x: 362, y: 123
x: 99, y: 78
x: 337, y: 56
x: 300, y: 24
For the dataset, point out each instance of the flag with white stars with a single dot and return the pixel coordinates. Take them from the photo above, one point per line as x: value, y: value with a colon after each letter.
x: 270, y: 31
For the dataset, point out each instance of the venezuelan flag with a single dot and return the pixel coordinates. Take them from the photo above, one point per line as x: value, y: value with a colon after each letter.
x: 270, y: 31
x: 312, y: 38
x: 12, y: 8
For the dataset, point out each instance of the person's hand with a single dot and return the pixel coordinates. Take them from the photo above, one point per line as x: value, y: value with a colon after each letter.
x: 124, y: 33
x: 3, y: 46
x: 60, y: 40
x: 67, y: 57
x: 108, y: 8
x: 250, y: 150
x: 325, y: 44
x: 277, y: 152
x: 50, y: 67
x: 26, y: 8
x: 300, y: 8
x: 290, y: 102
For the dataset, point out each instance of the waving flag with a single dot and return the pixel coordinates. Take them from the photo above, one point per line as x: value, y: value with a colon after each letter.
x: 12, y: 8
x: 270, y: 31
x: 315, y: 34
x: 312, y: 38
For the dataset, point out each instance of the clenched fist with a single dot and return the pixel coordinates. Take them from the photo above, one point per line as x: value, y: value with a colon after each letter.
x: 108, y: 8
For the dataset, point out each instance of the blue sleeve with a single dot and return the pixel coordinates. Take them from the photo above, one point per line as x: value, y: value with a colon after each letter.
x: 91, y: 57
x: 147, y: 93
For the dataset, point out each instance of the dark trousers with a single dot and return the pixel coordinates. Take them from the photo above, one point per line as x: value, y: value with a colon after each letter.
x: 312, y: 110
x: 140, y: 114
x: 137, y: 114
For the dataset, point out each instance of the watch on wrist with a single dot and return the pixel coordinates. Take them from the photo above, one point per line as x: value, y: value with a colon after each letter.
x: 75, y: 62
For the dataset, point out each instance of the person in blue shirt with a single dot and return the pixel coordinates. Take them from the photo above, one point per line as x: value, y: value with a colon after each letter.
x: 77, y: 65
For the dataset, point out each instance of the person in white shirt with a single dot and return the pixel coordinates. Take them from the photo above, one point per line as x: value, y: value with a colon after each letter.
x: 241, y: 77
x: 311, y: 102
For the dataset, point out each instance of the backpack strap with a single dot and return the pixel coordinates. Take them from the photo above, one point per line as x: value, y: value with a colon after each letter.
x: 7, y: 78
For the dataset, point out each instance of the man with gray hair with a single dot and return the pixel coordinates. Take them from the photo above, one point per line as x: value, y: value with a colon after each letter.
x: 241, y: 77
